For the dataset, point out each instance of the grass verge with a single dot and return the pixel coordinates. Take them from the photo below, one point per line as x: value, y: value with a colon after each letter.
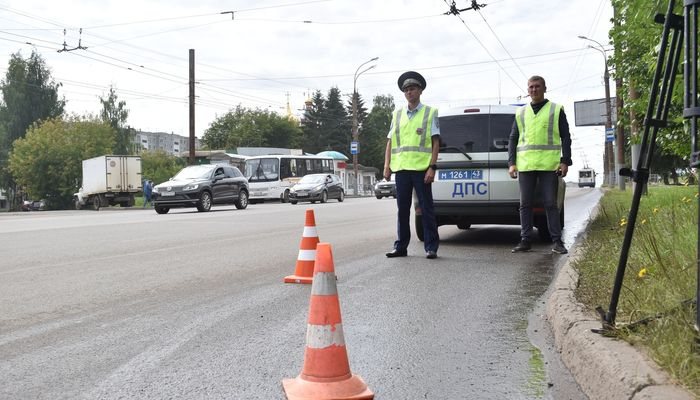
x: 660, y: 278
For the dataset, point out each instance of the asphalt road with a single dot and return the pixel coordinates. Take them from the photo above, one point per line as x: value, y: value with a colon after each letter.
x: 128, y: 304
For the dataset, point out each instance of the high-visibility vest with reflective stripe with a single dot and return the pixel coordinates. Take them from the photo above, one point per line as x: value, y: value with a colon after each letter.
x: 539, y: 145
x: 411, y: 142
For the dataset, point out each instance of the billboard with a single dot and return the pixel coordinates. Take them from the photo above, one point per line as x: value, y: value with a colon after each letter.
x: 592, y: 112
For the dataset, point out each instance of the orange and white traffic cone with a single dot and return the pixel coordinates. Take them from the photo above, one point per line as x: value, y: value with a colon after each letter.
x: 326, y: 372
x: 304, y: 270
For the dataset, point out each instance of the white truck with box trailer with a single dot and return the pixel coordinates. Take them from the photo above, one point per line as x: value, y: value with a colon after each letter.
x: 109, y: 180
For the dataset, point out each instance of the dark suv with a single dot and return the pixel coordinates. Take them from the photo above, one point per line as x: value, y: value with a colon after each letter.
x: 202, y: 186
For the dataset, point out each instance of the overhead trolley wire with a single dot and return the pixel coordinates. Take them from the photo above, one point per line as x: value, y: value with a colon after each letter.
x: 502, y: 45
x: 456, y: 14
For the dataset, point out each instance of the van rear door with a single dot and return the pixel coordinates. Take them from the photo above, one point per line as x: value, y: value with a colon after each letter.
x: 502, y: 187
x: 463, y: 173
x: 473, y: 160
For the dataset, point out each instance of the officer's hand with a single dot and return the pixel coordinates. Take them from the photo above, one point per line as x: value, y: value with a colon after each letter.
x: 429, y: 176
x: 564, y: 169
x: 387, y: 173
x: 513, y: 171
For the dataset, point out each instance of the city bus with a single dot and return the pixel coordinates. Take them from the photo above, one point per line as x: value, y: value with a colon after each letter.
x: 270, y: 177
x: 586, y: 177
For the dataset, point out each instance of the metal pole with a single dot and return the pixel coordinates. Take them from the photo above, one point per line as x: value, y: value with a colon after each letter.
x: 691, y: 111
x: 620, y: 137
x: 609, y: 153
x: 355, y: 133
x: 620, y: 129
x: 191, y: 106
x: 608, y: 125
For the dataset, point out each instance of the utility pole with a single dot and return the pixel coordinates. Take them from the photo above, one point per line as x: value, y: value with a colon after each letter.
x: 191, y: 107
x: 609, y: 157
x: 355, y: 146
x: 620, y: 137
x: 620, y: 129
x: 608, y: 126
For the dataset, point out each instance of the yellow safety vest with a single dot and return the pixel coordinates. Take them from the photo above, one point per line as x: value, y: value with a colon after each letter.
x: 411, y: 142
x: 539, y: 144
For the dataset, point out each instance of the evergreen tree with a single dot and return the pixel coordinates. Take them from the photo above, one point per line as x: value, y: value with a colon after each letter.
x: 361, y: 117
x: 314, y: 124
x: 336, y: 134
x: 374, y: 131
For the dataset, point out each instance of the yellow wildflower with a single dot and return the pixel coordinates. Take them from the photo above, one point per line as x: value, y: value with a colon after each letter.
x: 642, y: 273
x: 655, y: 210
x: 644, y: 221
x: 623, y: 222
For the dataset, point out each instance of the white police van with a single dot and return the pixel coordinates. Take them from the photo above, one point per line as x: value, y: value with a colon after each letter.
x: 472, y: 185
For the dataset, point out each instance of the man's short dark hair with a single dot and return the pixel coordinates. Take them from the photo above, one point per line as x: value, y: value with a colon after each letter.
x: 537, y: 78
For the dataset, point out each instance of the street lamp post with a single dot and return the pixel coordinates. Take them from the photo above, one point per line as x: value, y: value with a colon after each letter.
x: 355, y: 134
x: 609, y: 156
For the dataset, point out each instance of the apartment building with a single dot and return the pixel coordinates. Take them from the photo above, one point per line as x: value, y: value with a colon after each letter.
x: 169, y: 142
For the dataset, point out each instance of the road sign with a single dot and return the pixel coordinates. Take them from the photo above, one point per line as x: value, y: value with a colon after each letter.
x: 609, y: 134
x: 594, y: 112
x: 354, y: 148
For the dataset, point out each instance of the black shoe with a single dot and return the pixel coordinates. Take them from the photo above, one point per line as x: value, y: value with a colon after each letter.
x: 559, y: 247
x: 523, y: 246
x: 397, y: 253
x: 431, y: 255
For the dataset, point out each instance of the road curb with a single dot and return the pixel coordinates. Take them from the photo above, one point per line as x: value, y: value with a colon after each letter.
x: 604, y: 368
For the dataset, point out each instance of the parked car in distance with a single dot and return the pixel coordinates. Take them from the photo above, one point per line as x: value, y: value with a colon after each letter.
x: 202, y: 186
x: 385, y: 188
x: 33, y: 205
x: 317, y: 187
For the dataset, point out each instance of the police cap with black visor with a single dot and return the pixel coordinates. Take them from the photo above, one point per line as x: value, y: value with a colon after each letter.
x: 411, y: 78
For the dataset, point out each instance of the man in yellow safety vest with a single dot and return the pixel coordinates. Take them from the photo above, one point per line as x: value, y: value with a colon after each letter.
x: 411, y: 153
x: 539, y: 152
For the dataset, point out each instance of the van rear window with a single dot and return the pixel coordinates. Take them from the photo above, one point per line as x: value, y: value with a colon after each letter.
x: 475, y: 133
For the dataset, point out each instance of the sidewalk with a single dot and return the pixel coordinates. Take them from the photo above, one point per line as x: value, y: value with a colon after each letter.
x: 604, y: 368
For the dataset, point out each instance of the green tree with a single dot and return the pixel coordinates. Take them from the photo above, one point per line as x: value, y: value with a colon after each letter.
x: 314, y: 124
x: 160, y: 166
x: 47, y: 162
x: 29, y: 95
x: 361, y: 117
x: 636, y: 38
x: 337, y: 127
x: 115, y: 113
x: 374, y: 131
x: 243, y: 127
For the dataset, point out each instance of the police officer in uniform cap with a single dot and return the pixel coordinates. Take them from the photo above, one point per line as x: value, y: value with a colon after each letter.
x: 411, y: 78
x: 411, y: 152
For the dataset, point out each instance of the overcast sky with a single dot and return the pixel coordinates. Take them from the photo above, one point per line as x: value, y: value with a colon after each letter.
x: 270, y: 53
